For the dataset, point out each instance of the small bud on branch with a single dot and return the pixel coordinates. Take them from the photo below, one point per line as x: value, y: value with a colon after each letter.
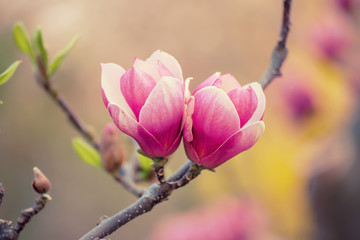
x: 41, y: 183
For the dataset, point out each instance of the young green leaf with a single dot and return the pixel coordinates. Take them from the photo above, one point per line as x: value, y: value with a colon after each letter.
x: 145, y: 165
x: 145, y: 162
x: 39, y: 43
x: 86, y: 152
x: 6, y: 75
x: 22, y: 40
x: 61, y: 55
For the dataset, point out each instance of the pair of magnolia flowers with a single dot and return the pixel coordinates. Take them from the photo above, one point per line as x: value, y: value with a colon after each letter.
x: 151, y: 103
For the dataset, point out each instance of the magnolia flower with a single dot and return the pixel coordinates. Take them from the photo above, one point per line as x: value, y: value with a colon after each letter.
x: 222, y: 120
x: 147, y: 101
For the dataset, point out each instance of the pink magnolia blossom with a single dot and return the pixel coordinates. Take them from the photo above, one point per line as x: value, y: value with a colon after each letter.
x: 147, y: 101
x: 222, y: 120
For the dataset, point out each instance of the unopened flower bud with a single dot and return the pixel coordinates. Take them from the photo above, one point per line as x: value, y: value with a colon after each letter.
x: 111, y: 150
x: 41, y: 183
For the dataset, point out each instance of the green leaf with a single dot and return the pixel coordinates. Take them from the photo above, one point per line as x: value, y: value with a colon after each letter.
x: 39, y: 44
x: 145, y: 165
x: 22, y: 40
x: 60, y: 56
x: 86, y: 152
x: 6, y: 75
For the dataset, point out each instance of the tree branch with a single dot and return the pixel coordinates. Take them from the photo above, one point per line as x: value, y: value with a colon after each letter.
x: 128, y: 183
x: 280, y: 51
x: 154, y: 195
x: 27, y: 214
x: 193, y: 171
x: 7, y: 231
x: 180, y: 172
x: 10, y: 232
x: 2, y: 192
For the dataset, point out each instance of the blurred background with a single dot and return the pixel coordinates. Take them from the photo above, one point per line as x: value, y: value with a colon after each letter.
x: 300, y: 181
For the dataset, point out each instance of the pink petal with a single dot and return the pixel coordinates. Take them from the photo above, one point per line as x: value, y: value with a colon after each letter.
x: 191, y: 152
x: 110, y: 84
x: 261, y: 102
x: 136, y: 86
x: 213, y: 80
x: 214, y: 120
x: 187, y: 90
x: 169, y: 61
x: 188, y: 112
x: 151, y: 69
x: 163, y: 70
x: 245, y: 102
x: 127, y: 124
x: 187, y: 109
x: 174, y: 145
x: 162, y: 112
x: 228, y: 82
x: 237, y: 143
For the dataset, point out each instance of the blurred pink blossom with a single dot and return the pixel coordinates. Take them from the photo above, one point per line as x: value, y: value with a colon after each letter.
x: 147, y: 101
x: 222, y: 120
x: 298, y: 96
x: 331, y: 35
x: 229, y: 219
x: 345, y: 4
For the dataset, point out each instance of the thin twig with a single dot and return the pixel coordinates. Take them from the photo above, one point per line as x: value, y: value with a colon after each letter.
x: 2, y: 192
x: 43, y: 78
x: 193, y: 171
x: 27, y: 214
x: 10, y: 232
x: 134, y: 161
x: 180, y: 172
x: 160, y: 192
x: 128, y: 183
x: 74, y: 120
x: 7, y: 231
x: 280, y: 51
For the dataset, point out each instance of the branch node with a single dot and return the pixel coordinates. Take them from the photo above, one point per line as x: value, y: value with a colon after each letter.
x: 158, y: 167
